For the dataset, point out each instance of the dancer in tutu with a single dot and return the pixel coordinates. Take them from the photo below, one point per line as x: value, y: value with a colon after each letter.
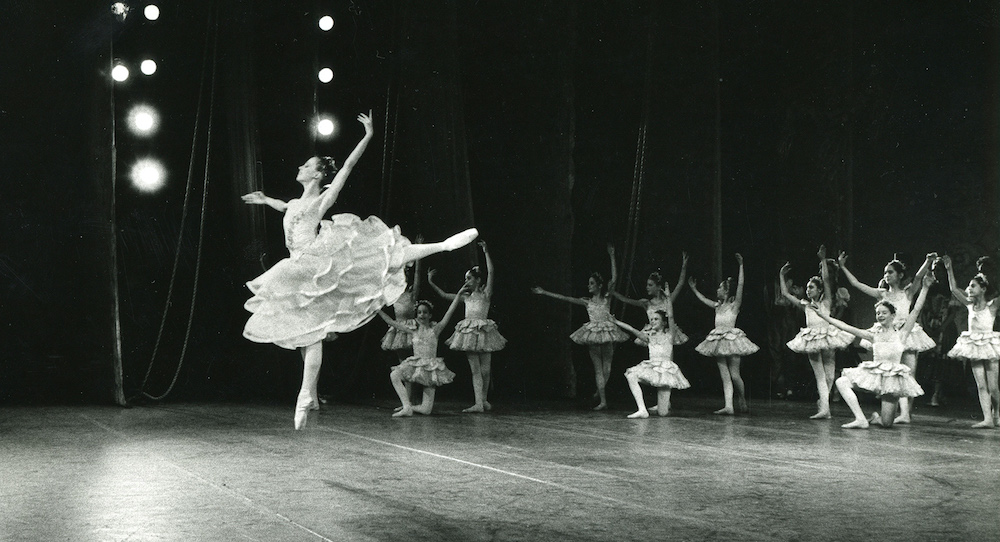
x: 340, y: 271
x: 885, y: 376
x: 659, y: 371
x: 476, y: 335
x: 980, y: 345
x: 818, y: 339
x: 658, y: 299
x: 423, y: 367
x: 599, y: 334
x: 727, y: 343
x: 893, y: 289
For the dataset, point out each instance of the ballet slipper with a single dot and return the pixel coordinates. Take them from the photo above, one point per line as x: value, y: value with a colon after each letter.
x: 459, y: 240
x: 639, y: 414
x: 902, y: 418
x: 403, y: 412
x: 602, y: 406
x: 859, y: 423
x: 474, y: 408
x: 985, y: 424
x: 821, y: 415
x: 728, y: 411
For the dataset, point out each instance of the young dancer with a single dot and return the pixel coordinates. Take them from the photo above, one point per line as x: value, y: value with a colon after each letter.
x: 476, y: 335
x: 727, y: 343
x: 980, y: 345
x: 423, y: 367
x: 818, y: 339
x: 885, y: 376
x: 658, y: 299
x: 659, y: 371
x: 892, y: 289
x: 599, y: 334
x: 400, y: 340
x: 339, y: 272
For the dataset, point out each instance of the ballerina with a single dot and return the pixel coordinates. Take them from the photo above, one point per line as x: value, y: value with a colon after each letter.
x: 891, y: 288
x: 476, y: 335
x: 818, y: 340
x: 599, y: 334
x: 658, y: 299
x: 885, y: 376
x: 338, y: 274
x: 727, y: 343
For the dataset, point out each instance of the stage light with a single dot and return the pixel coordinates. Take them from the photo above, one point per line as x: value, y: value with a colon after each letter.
x: 148, y: 175
x: 325, y: 23
x: 151, y: 12
x: 326, y: 75
x: 325, y: 127
x: 119, y: 73
x: 120, y: 10
x: 148, y: 67
x: 143, y: 120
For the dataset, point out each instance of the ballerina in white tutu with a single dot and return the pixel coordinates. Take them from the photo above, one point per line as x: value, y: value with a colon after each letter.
x: 727, y: 343
x: 885, y: 376
x: 599, y: 334
x: 980, y: 345
x: 658, y: 299
x: 659, y: 371
x: 818, y: 339
x: 424, y: 367
x: 901, y: 296
x: 339, y: 272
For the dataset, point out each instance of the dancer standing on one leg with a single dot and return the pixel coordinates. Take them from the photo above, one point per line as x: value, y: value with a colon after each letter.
x: 423, y: 367
x: 658, y: 299
x: 818, y: 339
x: 980, y: 345
x: 339, y: 272
x: 659, y: 371
x: 599, y: 334
x: 900, y: 296
x: 885, y: 376
x: 727, y: 343
x: 476, y: 335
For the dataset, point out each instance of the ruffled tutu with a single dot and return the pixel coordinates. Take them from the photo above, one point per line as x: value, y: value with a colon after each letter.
x: 335, y: 284
x: 917, y: 341
x: 659, y: 374
x: 884, y: 378
x: 811, y: 340
x: 598, y: 333
x: 476, y: 335
x: 430, y: 372
x: 679, y: 336
x: 396, y: 339
x: 977, y: 346
x: 726, y: 342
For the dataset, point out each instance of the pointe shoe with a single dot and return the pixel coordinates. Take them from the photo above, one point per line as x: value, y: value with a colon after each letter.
x: 302, y: 407
x: 459, y: 240
x: 602, y: 406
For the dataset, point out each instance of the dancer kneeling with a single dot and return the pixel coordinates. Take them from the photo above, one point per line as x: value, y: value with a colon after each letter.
x: 423, y: 367
x: 659, y: 371
x: 885, y: 376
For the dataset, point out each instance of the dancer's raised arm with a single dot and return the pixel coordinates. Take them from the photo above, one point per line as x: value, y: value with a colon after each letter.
x: 824, y: 272
x: 958, y: 293
x: 488, y: 289
x: 450, y: 312
x: 918, y: 278
x: 796, y: 302
x: 694, y: 288
x: 258, y: 198
x: 330, y: 194
x: 868, y: 290
x: 393, y: 322
x: 541, y: 291
x: 614, y: 270
x: 682, y: 277
x: 739, y: 282
x: 639, y: 334
x: 911, y: 320
x: 418, y: 269
x: 861, y: 333
x: 435, y: 287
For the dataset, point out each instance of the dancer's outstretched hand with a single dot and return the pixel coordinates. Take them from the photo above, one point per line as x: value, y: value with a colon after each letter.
x: 692, y: 283
x: 537, y: 290
x: 254, y: 198
x: 947, y: 261
x: 431, y: 273
x: 821, y: 252
x: 785, y: 269
x: 366, y: 120
x: 842, y: 259
x: 929, y: 280
x: 482, y: 245
x: 739, y: 258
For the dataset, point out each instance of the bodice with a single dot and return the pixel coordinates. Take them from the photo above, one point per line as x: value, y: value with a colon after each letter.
x: 300, y: 223
x: 425, y: 343
x: 814, y: 320
x: 725, y: 315
x: 887, y: 347
x: 661, y: 347
x: 599, y: 311
x: 477, y: 305
x: 981, y: 320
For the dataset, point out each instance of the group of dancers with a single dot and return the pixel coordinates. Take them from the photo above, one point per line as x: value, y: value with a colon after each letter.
x: 343, y: 271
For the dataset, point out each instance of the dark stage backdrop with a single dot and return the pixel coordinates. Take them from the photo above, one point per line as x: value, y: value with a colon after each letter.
x: 868, y: 126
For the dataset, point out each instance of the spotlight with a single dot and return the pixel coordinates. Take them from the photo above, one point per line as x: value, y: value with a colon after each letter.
x: 326, y: 75
x: 148, y: 67
x: 148, y: 175
x: 143, y: 120
x: 325, y: 127
x: 325, y: 23
x: 119, y: 73
x: 151, y: 12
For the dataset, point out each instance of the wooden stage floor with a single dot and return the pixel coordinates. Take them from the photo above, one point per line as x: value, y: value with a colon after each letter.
x: 220, y: 472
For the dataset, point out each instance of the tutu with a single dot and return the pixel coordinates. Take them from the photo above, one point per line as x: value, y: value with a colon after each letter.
x: 977, y: 346
x: 476, y: 335
x: 395, y: 339
x: 659, y: 374
x: 333, y: 282
x: 430, y: 372
x: 726, y: 342
x: 598, y: 333
x: 679, y: 336
x: 811, y: 340
x: 884, y: 377
x: 917, y: 341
